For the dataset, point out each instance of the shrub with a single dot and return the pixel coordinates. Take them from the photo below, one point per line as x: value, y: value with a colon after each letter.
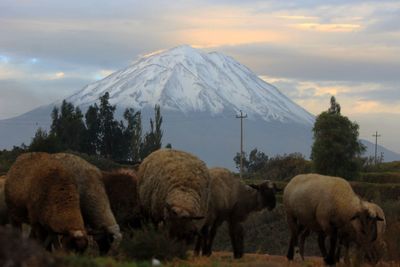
x: 150, y: 243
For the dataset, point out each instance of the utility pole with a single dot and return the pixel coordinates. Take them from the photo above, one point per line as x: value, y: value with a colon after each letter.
x: 376, y: 135
x: 241, y: 117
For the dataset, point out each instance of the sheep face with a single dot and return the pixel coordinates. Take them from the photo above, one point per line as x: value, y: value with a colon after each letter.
x: 366, y: 226
x: 266, y: 191
x: 75, y: 241
x: 182, y: 225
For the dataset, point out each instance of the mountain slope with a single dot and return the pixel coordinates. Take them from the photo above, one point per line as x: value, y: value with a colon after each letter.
x: 188, y: 80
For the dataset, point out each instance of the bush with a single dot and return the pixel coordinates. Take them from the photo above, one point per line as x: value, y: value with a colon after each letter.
x: 380, y: 177
x: 150, y: 243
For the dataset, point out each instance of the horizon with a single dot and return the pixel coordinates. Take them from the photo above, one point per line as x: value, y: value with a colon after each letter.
x: 309, y: 51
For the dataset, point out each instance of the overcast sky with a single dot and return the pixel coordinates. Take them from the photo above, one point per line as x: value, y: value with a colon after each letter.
x: 309, y: 49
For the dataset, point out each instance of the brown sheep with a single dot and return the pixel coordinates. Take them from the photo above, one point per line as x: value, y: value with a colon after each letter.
x: 121, y: 188
x: 325, y: 204
x: 232, y: 201
x: 95, y: 206
x: 173, y: 188
x: 39, y: 191
x: 3, y: 207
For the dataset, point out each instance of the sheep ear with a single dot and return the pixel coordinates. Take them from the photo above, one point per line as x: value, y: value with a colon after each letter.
x: 356, y: 216
x: 255, y: 186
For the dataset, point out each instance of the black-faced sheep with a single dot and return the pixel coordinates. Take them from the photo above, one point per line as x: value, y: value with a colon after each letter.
x: 232, y: 201
x: 121, y: 188
x: 95, y: 206
x: 3, y: 207
x: 325, y: 204
x: 173, y: 188
x: 41, y: 192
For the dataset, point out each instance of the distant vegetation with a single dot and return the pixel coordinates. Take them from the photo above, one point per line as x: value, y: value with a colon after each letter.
x: 95, y: 135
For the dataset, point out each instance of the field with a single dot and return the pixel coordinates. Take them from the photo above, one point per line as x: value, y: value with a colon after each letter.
x: 266, y: 237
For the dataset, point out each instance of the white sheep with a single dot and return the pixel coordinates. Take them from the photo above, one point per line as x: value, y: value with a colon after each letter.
x: 173, y: 188
x: 325, y: 204
x: 232, y: 201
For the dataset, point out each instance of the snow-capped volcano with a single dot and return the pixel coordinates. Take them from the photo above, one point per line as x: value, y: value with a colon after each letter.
x: 199, y: 93
x: 186, y: 79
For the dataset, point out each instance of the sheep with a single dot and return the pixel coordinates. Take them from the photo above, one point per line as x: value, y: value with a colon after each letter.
x: 95, y: 204
x: 121, y: 188
x: 232, y: 201
x: 39, y: 191
x: 3, y: 207
x: 173, y: 189
x: 325, y: 204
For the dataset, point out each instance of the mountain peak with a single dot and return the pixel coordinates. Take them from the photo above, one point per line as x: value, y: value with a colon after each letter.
x: 186, y: 79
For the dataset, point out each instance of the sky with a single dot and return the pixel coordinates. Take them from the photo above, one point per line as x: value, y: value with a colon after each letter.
x: 310, y: 50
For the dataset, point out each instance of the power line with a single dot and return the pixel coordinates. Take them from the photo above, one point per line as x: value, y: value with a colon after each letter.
x: 241, y: 117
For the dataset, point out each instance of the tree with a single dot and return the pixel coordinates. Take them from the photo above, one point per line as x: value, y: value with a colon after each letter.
x: 336, y: 145
x: 107, y: 126
x: 153, y: 140
x: 68, y: 126
x: 92, y: 138
x: 133, y: 133
x: 43, y: 142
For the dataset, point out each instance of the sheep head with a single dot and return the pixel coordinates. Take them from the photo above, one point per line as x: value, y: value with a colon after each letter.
x: 266, y: 191
x: 107, y: 238
x: 182, y: 225
x: 366, y: 227
x: 75, y: 240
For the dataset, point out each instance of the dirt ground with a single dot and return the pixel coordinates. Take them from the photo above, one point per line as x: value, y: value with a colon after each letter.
x: 259, y: 260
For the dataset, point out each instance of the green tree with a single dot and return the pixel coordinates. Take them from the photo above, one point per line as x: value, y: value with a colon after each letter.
x: 68, y: 126
x: 336, y: 146
x: 107, y: 126
x: 44, y: 142
x: 92, y: 137
x: 152, y: 140
x: 133, y: 133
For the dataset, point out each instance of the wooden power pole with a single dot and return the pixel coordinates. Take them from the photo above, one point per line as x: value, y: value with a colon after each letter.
x: 241, y: 117
x: 376, y: 135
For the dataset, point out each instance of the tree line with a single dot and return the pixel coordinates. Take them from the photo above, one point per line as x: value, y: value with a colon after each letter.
x: 98, y: 132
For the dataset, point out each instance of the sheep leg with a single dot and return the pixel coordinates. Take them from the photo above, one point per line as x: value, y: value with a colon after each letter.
x: 330, y: 259
x: 303, y: 237
x: 207, y: 249
x: 201, y: 241
x: 321, y: 244
x: 237, y: 237
x: 294, y: 230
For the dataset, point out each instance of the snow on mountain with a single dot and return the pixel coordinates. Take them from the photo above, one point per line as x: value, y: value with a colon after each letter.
x: 187, y: 80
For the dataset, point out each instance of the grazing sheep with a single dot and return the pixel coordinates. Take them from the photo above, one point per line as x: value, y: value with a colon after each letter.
x: 173, y: 188
x: 232, y: 201
x: 325, y: 204
x: 95, y: 206
x: 121, y: 188
x: 39, y: 191
x: 3, y: 207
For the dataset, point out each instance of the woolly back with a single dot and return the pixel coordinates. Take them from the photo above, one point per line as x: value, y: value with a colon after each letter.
x: 121, y: 188
x: 55, y: 199
x: 224, y: 188
x: 334, y: 193
x: 45, y: 189
x: 95, y: 205
x: 174, y: 178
